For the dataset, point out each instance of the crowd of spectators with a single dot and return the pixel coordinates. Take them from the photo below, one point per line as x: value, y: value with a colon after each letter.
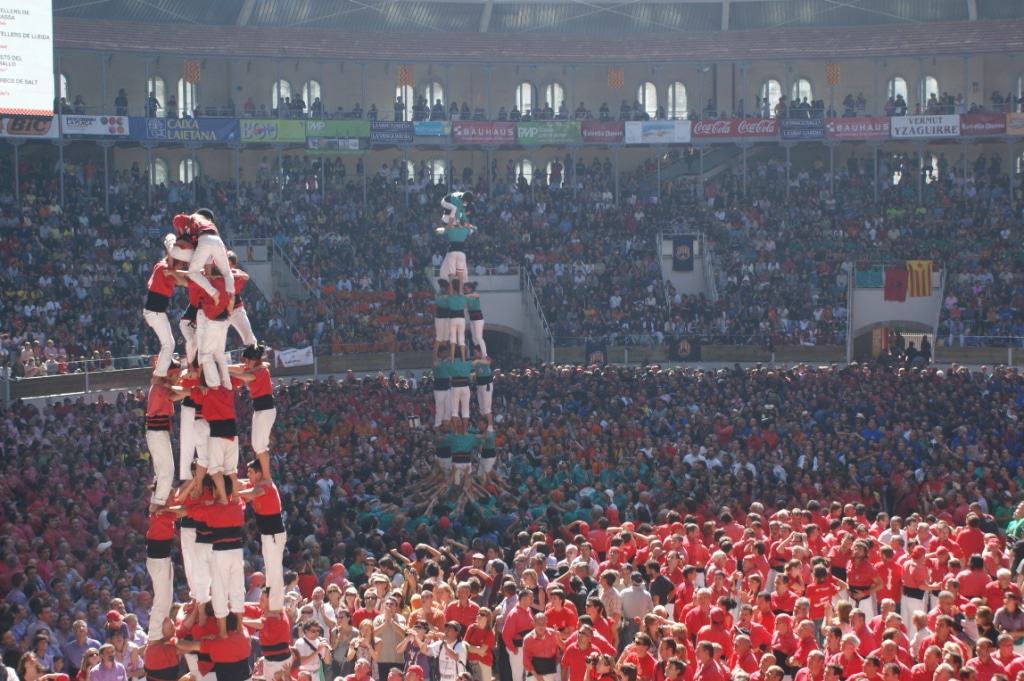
x: 624, y: 483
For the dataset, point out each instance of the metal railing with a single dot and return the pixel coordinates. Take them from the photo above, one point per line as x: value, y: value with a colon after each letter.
x: 533, y: 301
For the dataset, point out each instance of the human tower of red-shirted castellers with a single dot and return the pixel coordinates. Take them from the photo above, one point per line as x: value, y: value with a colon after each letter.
x: 456, y: 440
x: 211, y: 500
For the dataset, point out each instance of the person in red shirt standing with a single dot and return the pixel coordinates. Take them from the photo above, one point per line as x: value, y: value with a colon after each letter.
x: 973, y: 580
x: 239, y: 318
x: 222, y: 444
x: 815, y: 669
x: 863, y: 579
x: 266, y: 505
x: 159, y: 542
x: 820, y: 593
x: 540, y: 650
x: 275, y: 636
x: 985, y: 664
x: 160, y: 659
x: 255, y: 373
x: 462, y: 609
x: 201, y: 230
x: 891, y: 574
x: 716, y: 632
x: 229, y: 653
x: 228, y: 589
x: 708, y: 668
x: 159, y: 410
x: 639, y: 655
x: 159, y: 290
x: 479, y: 640
x: 517, y: 624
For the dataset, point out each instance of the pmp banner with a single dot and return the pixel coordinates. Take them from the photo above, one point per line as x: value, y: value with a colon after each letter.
x: 271, y: 131
x: 432, y: 128
x: 910, y: 127
x: 294, y: 357
x: 538, y: 133
x: 602, y: 132
x: 484, y: 132
x: 802, y: 128
x: 95, y: 126
x: 682, y: 252
x: 213, y: 130
x: 29, y: 128
x: 340, y: 129
x: 390, y: 132
x: 658, y: 132
x: 685, y: 349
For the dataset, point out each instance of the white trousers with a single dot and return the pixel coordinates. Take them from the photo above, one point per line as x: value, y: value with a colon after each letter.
x: 161, y: 573
x: 188, y: 332
x: 187, y: 536
x: 442, y: 406
x: 486, y: 465
x: 457, y: 331
x: 211, y: 247
x: 161, y: 326
x: 272, y: 667
x: 273, y: 566
x: 223, y: 455
x: 453, y: 265
x: 908, y: 606
x: 202, y: 572
x: 441, y: 329
x: 476, y: 328
x: 460, y: 402
x: 201, y: 431
x: 484, y: 396
x: 162, y: 456
x: 212, y: 334
x: 186, y: 442
x: 228, y: 582
x: 262, y: 424
x: 515, y: 661
x: 239, y: 320
x: 462, y: 471
x: 449, y: 212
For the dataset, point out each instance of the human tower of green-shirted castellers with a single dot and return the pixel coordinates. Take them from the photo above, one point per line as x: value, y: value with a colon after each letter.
x: 456, y: 441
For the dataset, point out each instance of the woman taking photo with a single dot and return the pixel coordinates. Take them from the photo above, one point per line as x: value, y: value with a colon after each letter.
x: 366, y: 646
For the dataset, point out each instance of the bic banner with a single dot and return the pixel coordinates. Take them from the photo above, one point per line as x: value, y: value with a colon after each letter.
x: 390, y: 132
x: 684, y: 350
x: 548, y: 132
x: 920, y: 278
x: 270, y: 131
x: 682, y: 252
x: 29, y: 128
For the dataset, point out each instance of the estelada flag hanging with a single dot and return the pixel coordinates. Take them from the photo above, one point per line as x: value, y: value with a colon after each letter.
x: 895, y: 286
x: 616, y: 78
x: 191, y: 72
x: 920, y: 274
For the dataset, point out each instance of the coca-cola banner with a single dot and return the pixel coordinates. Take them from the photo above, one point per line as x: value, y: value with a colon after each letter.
x: 858, y: 128
x: 484, y: 132
x: 909, y: 127
x: 745, y: 127
x: 602, y: 132
x: 980, y: 124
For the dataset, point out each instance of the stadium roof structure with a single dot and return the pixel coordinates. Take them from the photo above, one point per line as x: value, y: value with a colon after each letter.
x: 543, y: 30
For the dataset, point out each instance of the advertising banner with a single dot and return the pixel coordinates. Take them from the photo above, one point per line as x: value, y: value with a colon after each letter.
x: 340, y: 129
x: 682, y: 252
x: 913, y: 127
x: 332, y: 144
x: 26, y: 58
x: 29, y: 128
x: 484, y: 132
x: 432, y: 128
x: 602, y: 132
x: 685, y: 349
x: 858, y: 128
x: 657, y: 132
x: 981, y: 124
x: 213, y: 130
x: 538, y: 133
x: 271, y: 131
x: 744, y: 127
x: 1015, y: 124
x: 390, y: 132
x: 95, y: 126
x: 802, y: 128
x: 294, y: 357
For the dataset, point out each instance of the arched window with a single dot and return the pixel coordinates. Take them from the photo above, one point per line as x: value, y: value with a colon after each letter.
x: 188, y: 170
x: 404, y: 92
x: 677, y: 104
x: 159, y: 174
x: 554, y: 95
x: 436, y: 168
x: 771, y: 93
x: 433, y: 92
x: 929, y: 87
x: 524, y: 97
x: 647, y: 95
x: 802, y: 89
x: 524, y: 167
x: 186, y: 97
x: 158, y: 89
x: 64, y: 86
x: 560, y: 179
x: 897, y: 87
x: 310, y: 91
x: 280, y: 89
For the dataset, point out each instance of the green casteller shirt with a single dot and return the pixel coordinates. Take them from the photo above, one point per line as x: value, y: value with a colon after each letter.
x: 456, y: 305
x: 455, y: 198
x: 441, y: 303
x: 460, y: 370
x: 483, y: 371
x: 472, y: 303
x: 463, y: 444
x: 456, y: 235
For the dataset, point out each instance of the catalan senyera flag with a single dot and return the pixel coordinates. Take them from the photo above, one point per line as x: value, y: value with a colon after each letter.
x: 191, y: 72
x: 405, y: 75
x: 616, y: 78
x: 920, y: 275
